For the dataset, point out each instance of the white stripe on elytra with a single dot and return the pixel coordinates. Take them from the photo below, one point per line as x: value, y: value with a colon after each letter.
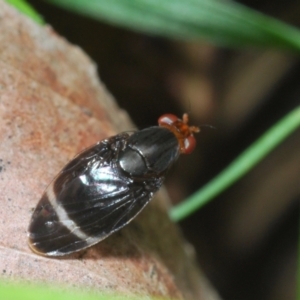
x: 65, y: 220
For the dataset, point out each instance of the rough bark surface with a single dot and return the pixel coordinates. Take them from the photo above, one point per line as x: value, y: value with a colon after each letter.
x: 52, y: 106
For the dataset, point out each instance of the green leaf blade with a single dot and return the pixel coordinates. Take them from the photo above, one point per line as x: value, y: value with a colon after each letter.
x: 221, y: 22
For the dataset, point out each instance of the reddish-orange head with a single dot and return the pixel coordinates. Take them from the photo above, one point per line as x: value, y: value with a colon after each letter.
x: 183, y: 132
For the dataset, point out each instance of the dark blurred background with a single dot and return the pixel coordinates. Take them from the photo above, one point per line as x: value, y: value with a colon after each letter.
x: 246, y: 239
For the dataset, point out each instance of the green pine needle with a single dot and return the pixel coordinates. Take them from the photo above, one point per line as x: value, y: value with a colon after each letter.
x: 27, y: 10
x: 240, y: 166
x: 222, y: 22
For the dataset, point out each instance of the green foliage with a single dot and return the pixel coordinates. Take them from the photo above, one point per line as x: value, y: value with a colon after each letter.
x: 10, y: 291
x: 26, y: 9
x: 222, y: 22
x: 241, y: 165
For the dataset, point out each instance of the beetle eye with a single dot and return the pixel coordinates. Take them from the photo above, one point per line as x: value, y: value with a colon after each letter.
x: 189, y: 144
x: 168, y: 119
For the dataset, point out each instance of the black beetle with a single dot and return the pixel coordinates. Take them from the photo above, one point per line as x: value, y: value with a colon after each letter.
x: 106, y: 186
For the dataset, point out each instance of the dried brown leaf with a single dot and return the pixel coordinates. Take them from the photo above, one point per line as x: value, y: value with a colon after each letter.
x: 52, y: 106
